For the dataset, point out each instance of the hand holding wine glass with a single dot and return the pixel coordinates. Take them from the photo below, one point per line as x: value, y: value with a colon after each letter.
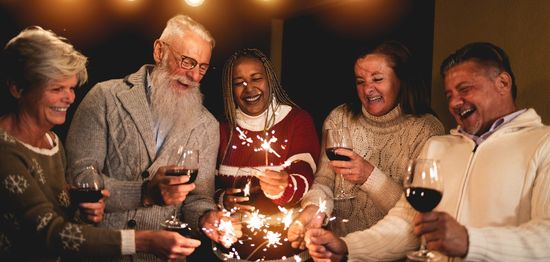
x: 423, y: 190
x: 187, y: 164
x: 335, y: 139
x: 86, y: 186
x: 86, y: 191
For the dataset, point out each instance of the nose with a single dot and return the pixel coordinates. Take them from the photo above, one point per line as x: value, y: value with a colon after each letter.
x: 68, y: 96
x: 369, y: 88
x: 455, y: 102
x: 194, y: 74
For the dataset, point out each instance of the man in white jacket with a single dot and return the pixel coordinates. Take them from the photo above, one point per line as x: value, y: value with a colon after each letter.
x: 496, y: 168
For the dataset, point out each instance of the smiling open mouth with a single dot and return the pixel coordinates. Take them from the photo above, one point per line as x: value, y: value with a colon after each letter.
x: 374, y: 99
x: 60, y: 109
x: 466, y: 113
x: 252, y: 99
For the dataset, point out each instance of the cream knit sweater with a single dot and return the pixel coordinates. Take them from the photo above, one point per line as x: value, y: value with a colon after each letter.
x: 387, y: 142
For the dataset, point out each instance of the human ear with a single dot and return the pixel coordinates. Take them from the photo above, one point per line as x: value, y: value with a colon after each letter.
x: 15, y: 91
x: 504, y: 83
x: 157, y: 51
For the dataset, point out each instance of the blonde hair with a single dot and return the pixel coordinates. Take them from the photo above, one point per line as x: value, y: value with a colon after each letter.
x: 36, y: 56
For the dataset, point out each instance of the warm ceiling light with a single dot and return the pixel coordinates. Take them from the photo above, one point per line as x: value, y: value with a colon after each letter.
x: 194, y: 2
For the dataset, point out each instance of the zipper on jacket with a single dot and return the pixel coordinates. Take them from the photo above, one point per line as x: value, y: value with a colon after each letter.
x: 465, y: 181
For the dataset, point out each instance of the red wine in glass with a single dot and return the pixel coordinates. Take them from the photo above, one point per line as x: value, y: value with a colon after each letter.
x: 191, y: 173
x: 339, y: 138
x: 423, y: 199
x: 186, y: 164
x: 331, y: 154
x: 423, y: 190
x: 86, y: 185
x: 85, y: 195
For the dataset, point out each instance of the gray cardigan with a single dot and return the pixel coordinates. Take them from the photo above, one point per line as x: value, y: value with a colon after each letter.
x: 113, y: 128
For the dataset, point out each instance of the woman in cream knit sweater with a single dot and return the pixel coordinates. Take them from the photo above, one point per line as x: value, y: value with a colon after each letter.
x: 389, y: 121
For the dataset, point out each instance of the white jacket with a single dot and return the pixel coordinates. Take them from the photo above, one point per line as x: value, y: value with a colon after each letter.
x: 500, y: 190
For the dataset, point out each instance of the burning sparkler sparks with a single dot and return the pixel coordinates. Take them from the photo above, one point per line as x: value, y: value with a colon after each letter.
x: 246, y: 189
x: 273, y: 238
x: 322, y: 206
x: 287, y: 219
x: 256, y: 221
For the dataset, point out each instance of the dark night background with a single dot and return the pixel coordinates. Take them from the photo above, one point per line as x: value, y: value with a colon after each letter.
x: 320, y: 39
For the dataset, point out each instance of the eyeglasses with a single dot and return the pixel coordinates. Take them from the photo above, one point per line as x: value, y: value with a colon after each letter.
x: 186, y: 62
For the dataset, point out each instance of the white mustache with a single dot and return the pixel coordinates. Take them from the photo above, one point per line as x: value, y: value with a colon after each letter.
x: 186, y: 81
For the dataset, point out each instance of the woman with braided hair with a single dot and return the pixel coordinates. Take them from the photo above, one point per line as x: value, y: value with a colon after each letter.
x: 268, y: 145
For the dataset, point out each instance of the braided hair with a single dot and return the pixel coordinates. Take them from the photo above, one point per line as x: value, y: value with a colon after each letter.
x: 275, y: 89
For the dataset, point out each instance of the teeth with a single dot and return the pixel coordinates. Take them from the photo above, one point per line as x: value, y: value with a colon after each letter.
x: 374, y: 98
x: 252, y: 99
x: 465, y: 112
x: 60, y: 109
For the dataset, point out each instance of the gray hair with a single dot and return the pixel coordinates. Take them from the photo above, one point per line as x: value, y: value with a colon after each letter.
x: 178, y: 25
x: 36, y: 56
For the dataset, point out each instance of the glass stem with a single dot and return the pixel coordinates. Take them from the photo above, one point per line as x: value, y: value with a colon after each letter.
x: 342, y: 191
x: 423, y: 250
x: 175, y: 218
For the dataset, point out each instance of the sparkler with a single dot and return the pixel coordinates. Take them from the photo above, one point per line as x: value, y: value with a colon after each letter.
x: 287, y: 219
x: 322, y: 206
x: 273, y: 238
x: 265, y: 143
x: 256, y: 221
x: 246, y: 190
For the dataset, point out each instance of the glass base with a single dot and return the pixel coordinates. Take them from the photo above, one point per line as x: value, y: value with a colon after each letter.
x: 344, y: 196
x: 423, y: 255
x: 177, y: 226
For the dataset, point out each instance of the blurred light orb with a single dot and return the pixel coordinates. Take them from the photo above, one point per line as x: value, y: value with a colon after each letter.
x: 194, y: 2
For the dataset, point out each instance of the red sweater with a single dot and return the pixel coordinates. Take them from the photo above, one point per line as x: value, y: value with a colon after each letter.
x: 296, y: 144
x: 296, y: 138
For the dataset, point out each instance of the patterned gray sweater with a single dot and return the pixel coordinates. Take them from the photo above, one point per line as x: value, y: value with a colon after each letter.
x: 113, y: 129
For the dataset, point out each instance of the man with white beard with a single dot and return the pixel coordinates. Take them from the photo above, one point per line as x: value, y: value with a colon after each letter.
x: 131, y: 128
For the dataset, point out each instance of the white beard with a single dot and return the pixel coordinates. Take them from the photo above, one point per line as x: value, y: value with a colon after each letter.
x: 173, y: 108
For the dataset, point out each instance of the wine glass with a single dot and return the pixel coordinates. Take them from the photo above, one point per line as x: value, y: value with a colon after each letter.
x: 86, y: 185
x: 187, y: 164
x: 335, y: 139
x: 423, y: 190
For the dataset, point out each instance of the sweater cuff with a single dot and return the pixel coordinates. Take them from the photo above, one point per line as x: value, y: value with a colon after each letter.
x: 273, y: 197
x: 287, y: 194
x: 477, y: 245
x: 375, y: 181
x: 128, y: 239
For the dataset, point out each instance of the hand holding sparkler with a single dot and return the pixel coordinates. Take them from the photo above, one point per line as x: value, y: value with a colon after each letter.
x: 234, y: 198
x: 311, y: 217
x: 220, y: 227
x: 323, y: 245
x: 273, y: 183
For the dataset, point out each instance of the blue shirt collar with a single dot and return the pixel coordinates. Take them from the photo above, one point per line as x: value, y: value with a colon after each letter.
x: 494, y: 127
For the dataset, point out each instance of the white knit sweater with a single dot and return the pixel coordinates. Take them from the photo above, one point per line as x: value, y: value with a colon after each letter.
x: 387, y: 142
x: 500, y: 191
